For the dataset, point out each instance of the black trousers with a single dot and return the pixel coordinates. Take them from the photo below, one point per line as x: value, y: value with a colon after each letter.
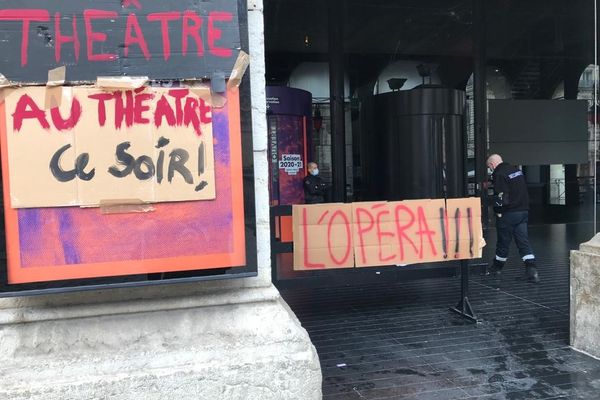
x: 513, y: 225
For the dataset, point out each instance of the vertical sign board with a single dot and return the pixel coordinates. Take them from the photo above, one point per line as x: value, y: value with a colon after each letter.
x: 289, y: 111
x: 386, y: 233
x: 69, y: 170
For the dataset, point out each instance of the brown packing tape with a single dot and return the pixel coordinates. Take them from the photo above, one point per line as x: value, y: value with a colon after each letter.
x: 56, y: 76
x: 121, y: 82
x: 239, y: 69
x: 125, y: 206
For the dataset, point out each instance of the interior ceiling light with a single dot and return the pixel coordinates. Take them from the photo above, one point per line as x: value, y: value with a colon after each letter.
x: 396, y: 83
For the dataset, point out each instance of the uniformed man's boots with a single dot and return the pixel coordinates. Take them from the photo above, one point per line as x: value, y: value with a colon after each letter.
x: 531, y: 271
x: 496, y: 268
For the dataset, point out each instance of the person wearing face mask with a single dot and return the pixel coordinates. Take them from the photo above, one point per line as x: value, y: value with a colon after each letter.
x: 511, y: 205
x: 314, y: 187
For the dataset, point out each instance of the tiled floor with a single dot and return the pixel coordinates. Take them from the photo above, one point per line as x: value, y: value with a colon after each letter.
x: 399, y: 341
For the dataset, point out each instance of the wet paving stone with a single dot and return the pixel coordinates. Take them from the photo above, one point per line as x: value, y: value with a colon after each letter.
x: 397, y: 340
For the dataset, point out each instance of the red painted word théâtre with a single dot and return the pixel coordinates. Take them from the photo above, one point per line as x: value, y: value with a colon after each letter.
x: 189, y: 22
x: 130, y: 107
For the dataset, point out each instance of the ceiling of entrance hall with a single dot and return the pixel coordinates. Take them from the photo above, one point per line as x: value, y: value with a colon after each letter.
x: 514, y: 28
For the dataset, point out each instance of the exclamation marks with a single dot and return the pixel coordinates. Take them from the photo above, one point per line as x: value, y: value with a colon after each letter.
x: 457, y: 221
x: 470, y: 220
x: 201, y: 166
x: 444, y: 223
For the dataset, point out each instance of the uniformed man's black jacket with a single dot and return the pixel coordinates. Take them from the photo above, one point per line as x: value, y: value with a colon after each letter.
x: 314, y: 189
x: 510, y: 189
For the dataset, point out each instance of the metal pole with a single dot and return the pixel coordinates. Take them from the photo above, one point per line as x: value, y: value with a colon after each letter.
x: 463, y: 308
x: 336, y: 93
x: 479, y: 96
x: 595, y: 113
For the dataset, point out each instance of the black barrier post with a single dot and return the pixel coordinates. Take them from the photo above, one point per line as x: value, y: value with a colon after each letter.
x: 463, y: 308
x: 480, y: 100
x: 336, y: 99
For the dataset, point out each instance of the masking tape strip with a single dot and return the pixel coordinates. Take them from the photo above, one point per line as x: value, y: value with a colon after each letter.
x: 53, y: 92
x: 121, y: 82
x: 203, y: 91
x: 218, y: 100
x: 53, y: 97
x: 56, y: 76
x: 125, y: 206
x: 239, y: 69
x: 4, y: 82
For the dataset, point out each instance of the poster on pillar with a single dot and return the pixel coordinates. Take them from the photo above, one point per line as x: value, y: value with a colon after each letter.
x: 385, y: 233
x: 125, y: 129
x: 173, y: 164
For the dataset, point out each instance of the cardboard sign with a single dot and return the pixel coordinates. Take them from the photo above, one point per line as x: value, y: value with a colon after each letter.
x: 149, y: 144
x: 386, y: 233
x: 167, y: 39
x: 58, y: 243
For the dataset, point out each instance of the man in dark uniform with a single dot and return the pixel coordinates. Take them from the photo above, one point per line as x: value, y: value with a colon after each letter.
x: 511, y: 205
x: 314, y: 187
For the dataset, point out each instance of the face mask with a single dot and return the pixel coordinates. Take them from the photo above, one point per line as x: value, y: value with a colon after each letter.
x: 315, y: 172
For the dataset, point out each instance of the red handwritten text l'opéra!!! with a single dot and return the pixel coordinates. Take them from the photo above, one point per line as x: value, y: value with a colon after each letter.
x: 130, y: 107
x: 189, y: 21
x: 410, y: 229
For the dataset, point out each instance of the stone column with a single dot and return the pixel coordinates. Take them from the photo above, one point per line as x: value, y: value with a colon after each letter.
x: 585, y: 297
x: 233, y: 339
